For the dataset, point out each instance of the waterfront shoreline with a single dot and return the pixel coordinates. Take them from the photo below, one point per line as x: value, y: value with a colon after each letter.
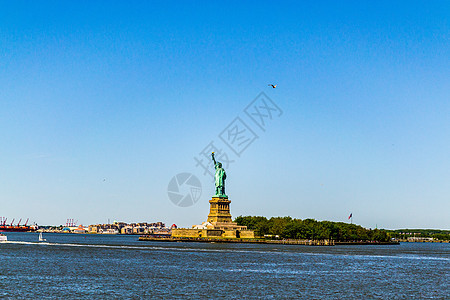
x: 242, y: 241
x: 260, y: 241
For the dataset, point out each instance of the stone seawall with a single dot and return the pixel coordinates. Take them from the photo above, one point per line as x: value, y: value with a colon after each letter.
x: 235, y: 240
x: 262, y: 241
x: 366, y: 243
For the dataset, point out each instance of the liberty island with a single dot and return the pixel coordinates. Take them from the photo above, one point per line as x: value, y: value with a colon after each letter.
x: 219, y: 224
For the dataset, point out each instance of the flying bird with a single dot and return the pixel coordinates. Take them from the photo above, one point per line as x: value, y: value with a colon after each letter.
x: 272, y: 85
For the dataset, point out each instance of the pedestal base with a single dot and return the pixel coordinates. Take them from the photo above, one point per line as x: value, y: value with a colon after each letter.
x: 219, y: 224
x: 219, y: 210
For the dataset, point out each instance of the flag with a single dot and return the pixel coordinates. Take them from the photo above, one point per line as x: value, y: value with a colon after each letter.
x: 349, y: 217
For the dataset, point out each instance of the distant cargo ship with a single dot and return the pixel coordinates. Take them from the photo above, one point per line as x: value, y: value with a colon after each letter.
x: 20, y: 228
x: 16, y: 228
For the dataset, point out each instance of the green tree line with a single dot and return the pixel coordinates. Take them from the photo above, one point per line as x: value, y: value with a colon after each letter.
x: 289, y: 228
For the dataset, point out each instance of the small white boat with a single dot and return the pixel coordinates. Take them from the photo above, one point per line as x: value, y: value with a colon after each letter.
x: 3, y: 238
x: 41, y: 239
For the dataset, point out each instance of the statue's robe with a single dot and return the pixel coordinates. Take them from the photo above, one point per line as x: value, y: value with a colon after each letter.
x: 220, y: 177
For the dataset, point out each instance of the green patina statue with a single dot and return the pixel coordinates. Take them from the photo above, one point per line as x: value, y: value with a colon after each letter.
x: 220, y: 177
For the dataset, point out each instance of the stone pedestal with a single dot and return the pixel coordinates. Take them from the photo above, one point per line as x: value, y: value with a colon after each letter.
x: 219, y: 210
x: 219, y: 224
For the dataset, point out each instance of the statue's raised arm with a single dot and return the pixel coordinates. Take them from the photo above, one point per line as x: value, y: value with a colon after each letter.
x: 214, y: 160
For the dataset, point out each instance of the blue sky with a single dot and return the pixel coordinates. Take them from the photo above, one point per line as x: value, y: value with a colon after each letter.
x: 102, y: 103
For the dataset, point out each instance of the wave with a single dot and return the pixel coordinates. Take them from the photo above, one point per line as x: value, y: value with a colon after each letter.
x: 266, y: 252
x: 131, y: 247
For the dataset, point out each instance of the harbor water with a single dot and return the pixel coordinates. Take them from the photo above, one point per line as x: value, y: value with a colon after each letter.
x: 82, y: 266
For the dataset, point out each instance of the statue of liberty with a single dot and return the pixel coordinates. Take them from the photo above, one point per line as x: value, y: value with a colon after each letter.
x: 219, y: 177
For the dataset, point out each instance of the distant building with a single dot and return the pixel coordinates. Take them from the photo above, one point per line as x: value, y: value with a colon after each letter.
x: 124, y: 228
x: 79, y: 229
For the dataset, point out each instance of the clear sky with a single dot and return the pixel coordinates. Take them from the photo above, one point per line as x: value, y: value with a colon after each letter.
x: 103, y: 102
